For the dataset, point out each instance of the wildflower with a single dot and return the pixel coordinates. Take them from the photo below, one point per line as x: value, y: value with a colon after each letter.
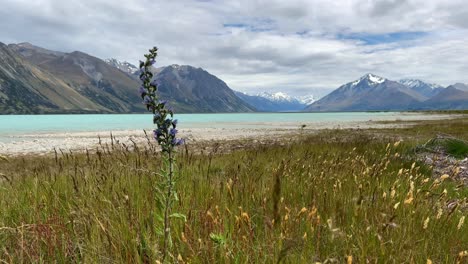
x: 154, y: 83
x: 143, y: 91
x: 164, y: 135
x: 178, y: 141
x: 156, y: 118
x: 147, y: 100
x: 460, y: 223
x: 157, y: 133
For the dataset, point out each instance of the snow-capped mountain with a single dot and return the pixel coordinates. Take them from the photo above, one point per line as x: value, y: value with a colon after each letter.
x: 276, y: 102
x: 370, y: 92
x: 124, y: 66
x: 427, y: 89
x: 277, y: 97
x: 307, y: 99
x: 369, y: 79
x: 284, y: 97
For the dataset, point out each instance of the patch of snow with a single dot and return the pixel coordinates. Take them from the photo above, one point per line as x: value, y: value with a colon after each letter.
x: 412, y: 83
x: 122, y: 65
x: 376, y: 79
x: 370, y: 78
x: 307, y: 99
x: 278, y: 96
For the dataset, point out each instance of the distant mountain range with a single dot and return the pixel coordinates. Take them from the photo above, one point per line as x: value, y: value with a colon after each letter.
x: 35, y: 80
x: 372, y: 92
x: 276, y: 102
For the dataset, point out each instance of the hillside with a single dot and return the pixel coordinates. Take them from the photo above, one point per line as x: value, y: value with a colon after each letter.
x: 370, y: 92
x: 190, y: 89
x: 27, y: 89
x: 450, y: 98
x: 36, y: 80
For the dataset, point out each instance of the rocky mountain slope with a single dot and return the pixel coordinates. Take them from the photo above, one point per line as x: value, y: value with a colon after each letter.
x: 37, y: 80
x: 27, y: 89
x: 370, y: 92
x: 374, y: 93
x: 190, y: 89
x: 104, y: 85
x: 450, y: 98
x: 428, y: 90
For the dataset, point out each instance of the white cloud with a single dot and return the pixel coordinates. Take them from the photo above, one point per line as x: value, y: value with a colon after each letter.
x: 299, y: 46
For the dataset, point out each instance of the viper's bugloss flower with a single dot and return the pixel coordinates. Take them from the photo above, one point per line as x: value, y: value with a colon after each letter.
x: 164, y: 134
x: 154, y: 83
x: 178, y: 141
x: 157, y: 133
x: 166, y: 131
x: 147, y: 100
x: 143, y: 91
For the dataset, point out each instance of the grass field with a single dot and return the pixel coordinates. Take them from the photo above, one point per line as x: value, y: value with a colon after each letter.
x: 339, y: 196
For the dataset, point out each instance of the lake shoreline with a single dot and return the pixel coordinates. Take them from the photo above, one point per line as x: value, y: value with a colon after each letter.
x: 47, y: 143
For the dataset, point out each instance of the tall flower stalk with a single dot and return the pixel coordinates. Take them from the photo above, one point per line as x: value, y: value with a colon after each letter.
x: 165, y: 134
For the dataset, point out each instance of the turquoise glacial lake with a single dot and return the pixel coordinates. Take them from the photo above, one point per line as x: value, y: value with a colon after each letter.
x: 16, y: 125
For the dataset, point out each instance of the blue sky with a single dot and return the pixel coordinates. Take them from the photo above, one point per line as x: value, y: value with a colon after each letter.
x: 295, y: 46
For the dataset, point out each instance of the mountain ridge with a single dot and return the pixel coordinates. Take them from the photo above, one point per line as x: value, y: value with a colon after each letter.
x: 366, y: 94
x: 101, y: 87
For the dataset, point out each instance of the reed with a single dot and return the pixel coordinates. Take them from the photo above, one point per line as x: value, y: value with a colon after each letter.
x: 333, y: 197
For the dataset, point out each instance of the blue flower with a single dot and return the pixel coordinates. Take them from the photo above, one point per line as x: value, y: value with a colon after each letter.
x: 157, y: 133
x: 178, y: 141
x: 143, y: 90
x: 174, y: 122
x: 147, y: 100
x: 173, y: 132
x: 154, y: 82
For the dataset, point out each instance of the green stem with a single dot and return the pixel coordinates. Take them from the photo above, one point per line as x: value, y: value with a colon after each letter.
x: 167, y: 208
